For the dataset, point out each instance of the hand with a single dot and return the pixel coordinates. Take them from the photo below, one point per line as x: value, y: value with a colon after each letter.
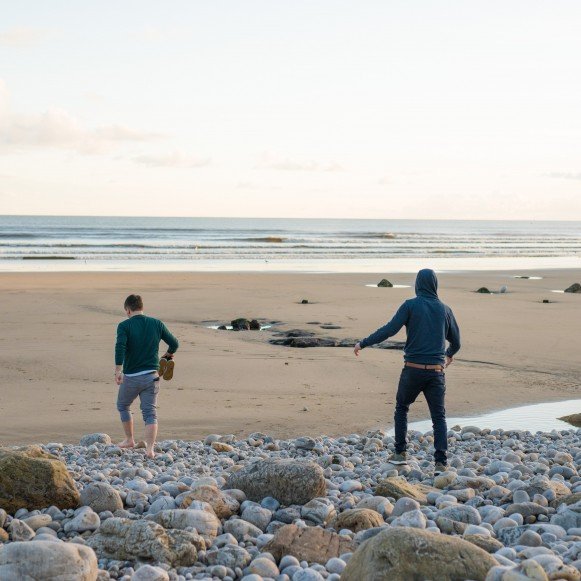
x: 167, y: 355
x: 357, y: 348
x: 449, y: 361
x: 118, y: 377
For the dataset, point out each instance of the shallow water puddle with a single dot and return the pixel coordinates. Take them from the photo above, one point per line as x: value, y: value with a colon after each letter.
x: 534, y: 418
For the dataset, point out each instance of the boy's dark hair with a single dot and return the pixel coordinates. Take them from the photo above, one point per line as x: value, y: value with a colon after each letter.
x: 133, y: 303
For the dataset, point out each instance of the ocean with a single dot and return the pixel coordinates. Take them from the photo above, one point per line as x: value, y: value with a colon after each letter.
x: 31, y: 243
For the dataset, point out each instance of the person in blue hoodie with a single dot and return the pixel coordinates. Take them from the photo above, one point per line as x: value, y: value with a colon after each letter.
x: 429, y: 324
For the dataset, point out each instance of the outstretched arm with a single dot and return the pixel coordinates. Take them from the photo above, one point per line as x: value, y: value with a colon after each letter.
x: 169, y: 339
x: 120, y: 348
x: 453, y: 337
x: 393, y: 327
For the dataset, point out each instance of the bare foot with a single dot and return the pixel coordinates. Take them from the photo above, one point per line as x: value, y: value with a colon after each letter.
x: 127, y: 444
x: 149, y: 452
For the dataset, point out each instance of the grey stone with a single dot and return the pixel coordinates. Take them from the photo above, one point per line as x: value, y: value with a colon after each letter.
x: 101, y: 496
x: 206, y: 523
x: 85, y: 519
x: 20, y: 531
x: 258, y: 516
x: 150, y: 573
x: 231, y: 556
x: 289, y: 481
x: 97, y: 438
x: 45, y: 560
x: 462, y: 513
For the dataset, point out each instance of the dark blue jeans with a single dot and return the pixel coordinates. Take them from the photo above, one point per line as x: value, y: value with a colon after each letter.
x: 432, y: 384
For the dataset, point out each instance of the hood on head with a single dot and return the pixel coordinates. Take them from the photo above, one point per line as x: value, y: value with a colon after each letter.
x: 427, y: 284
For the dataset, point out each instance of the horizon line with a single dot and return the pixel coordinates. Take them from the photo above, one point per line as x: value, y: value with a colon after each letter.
x: 133, y: 216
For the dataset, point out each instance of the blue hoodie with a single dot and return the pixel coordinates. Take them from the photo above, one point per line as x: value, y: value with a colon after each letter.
x: 429, y: 324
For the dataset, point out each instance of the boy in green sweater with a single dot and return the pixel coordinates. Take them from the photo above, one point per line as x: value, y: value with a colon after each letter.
x: 136, y: 368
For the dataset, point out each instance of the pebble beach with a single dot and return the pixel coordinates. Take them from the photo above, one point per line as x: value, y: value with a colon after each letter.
x: 304, y: 509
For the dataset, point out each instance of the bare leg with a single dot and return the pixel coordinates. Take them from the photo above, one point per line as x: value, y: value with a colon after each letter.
x: 150, y: 435
x: 129, y: 442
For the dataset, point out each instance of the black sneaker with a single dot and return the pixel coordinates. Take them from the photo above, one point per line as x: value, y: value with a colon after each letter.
x: 439, y: 468
x: 399, y: 459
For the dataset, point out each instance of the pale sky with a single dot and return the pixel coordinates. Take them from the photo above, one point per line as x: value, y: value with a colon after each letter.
x: 292, y: 108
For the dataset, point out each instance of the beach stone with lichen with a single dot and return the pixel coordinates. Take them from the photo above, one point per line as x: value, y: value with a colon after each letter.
x: 357, y: 519
x: 401, y: 554
x: 311, y: 544
x: 289, y: 481
x: 123, y: 539
x: 33, y: 479
x: 223, y: 504
x: 398, y: 487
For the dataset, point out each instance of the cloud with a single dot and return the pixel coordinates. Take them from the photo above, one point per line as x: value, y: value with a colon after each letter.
x: 58, y: 129
x: 22, y: 36
x: 174, y: 158
x: 286, y: 164
x: 564, y: 175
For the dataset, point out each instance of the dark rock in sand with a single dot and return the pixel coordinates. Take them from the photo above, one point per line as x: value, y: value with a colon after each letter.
x: 331, y: 327
x: 483, y: 291
x: 573, y: 419
x: 240, y: 324
x: 384, y: 283
x: 32, y: 479
x: 305, y: 302
x: 401, y: 554
x: 574, y: 288
x: 254, y: 325
x: 222, y: 328
x: 305, y: 342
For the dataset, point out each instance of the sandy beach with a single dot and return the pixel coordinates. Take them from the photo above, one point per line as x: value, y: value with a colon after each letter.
x: 57, y: 351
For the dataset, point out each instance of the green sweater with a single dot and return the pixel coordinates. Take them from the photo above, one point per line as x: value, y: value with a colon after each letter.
x: 137, y: 346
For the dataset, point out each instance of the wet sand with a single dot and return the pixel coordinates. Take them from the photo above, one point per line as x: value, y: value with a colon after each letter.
x: 56, y: 352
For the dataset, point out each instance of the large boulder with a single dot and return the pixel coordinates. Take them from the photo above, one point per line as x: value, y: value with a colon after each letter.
x: 401, y: 554
x: 101, y: 496
x: 48, y: 561
x: 398, y: 487
x: 33, y: 479
x: 123, y: 539
x: 357, y: 519
x: 384, y: 283
x: 289, y: 481
x: 574, y: 288
x: 312, y: 544
x: 224, y: 505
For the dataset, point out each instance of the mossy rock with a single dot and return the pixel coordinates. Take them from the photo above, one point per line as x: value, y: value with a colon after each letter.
x: 384, y: 283
x: 32, y: 479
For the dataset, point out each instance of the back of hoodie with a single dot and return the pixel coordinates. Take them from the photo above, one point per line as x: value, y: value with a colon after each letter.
x: 429, y: 324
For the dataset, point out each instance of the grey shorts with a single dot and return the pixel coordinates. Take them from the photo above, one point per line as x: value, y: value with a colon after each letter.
x: 146, y: 387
